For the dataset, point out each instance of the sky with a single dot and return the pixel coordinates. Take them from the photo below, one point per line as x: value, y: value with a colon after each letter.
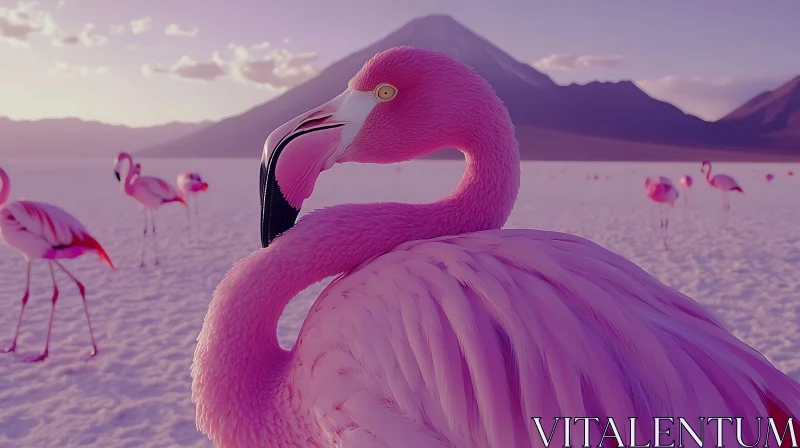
x: 148, y: 62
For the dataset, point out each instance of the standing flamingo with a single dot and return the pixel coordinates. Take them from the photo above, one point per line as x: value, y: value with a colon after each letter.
x: 150, y: 192
x: 663, y: 193
x: 189, y: 185
x: 790, y: 173
x: 441, y: 330
x: 44, y: 231
x: 769, y: 177
x: 723, y: 183
x: 685, y: 182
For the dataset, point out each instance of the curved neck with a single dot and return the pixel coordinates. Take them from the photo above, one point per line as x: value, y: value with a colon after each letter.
x: 130, y: 172
x: 250, y: 376
x: 5, y: 187
x: 708, y: 173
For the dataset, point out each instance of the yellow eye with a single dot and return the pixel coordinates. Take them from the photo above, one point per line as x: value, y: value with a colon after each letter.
x: 385, y: 92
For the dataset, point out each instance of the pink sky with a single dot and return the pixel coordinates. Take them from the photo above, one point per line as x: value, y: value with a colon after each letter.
x: 144, y: 62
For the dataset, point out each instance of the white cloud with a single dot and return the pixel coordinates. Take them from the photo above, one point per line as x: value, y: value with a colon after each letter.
x: 709, y: 98
x: 179, y: 30
x: 86, y: 37
x: 116, y: 30
x: 67, y: 70
x: 188, y: 69
x: 261, y: 46
x: 277, y: 70
x: 139, y: 26
x: 61, y: 4
x: 566, y: 61
x: 19, y: 24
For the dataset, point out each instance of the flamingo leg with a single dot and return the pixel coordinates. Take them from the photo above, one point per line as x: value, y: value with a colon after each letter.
x: 144, y: 237
x: 666, y: 227
x: 82, y: 291
x: 155, y: 240
x: 196, y: 215
x: 22, y: 310
x: 44, y: 354
x: 726, y: 205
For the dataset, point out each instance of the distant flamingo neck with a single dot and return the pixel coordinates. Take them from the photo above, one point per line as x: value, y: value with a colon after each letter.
x: 708, y: 173
x: 5, y: 187
x: 241, y: 370
x: 130, y: 172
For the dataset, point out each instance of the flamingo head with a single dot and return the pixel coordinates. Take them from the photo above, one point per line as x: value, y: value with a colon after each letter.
x: 647, y: 181
x: 404, y: 103
x: 118, y: 163
x: 703, y: 166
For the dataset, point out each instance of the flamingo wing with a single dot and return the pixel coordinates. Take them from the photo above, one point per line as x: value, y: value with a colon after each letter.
x: 160, y: 188
x: 460, y: 341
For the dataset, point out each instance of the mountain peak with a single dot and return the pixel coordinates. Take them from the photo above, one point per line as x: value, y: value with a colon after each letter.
x: 773, y: 111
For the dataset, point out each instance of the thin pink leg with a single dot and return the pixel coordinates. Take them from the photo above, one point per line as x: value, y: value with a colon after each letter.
x: 22, y: 310
x: 44, y: 354
x: 144, y: 237
x: 155, y: 240
x: 82, y: 290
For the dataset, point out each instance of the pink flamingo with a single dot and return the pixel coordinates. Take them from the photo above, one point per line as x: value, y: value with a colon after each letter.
x: 723, y: 183
x: 150, y: 192
x: 662, y: 193
x: 769, y: 177
x: 189, y: 185
x: 44, y: 231
x: 441, y: 329
x: 790, y: 173
x: 685, y: 182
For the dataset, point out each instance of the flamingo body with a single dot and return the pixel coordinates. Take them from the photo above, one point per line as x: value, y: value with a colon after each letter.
x: 769, y: 177
x: 685, y: 181
x: 441, y: 330
x: 44, y: 231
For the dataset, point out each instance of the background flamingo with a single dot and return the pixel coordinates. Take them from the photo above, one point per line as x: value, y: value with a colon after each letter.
x: 441, y: 330
x: 44, y: 231
x: 662, y: 193
x: 723, y: 183
x: 189, y: 185
x: 790, y: 173
x: 769, y: 177
x: 685, y: 182
x: 150, y: 192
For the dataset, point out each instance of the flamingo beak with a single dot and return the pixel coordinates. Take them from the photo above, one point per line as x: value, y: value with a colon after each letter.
x: 294, y: 156
x: 116, y: 173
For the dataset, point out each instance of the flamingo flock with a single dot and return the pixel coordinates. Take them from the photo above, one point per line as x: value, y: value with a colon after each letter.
x: 441, y: 329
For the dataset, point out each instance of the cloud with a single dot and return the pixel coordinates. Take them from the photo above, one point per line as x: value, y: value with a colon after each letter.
x: 18, y: 25
x: 565, y: 61
x: 178, y: 30
x: 277, y: 70
x: 67, y: 70
x: 709, y: 98
x: 61, y: 4
x: 140, y: 26
x: 189, y: 69
x: 116, y: 30
x: 86, y: 37
x: 261, y: 46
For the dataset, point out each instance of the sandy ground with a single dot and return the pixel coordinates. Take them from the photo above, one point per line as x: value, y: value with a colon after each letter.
x: 136, y: 392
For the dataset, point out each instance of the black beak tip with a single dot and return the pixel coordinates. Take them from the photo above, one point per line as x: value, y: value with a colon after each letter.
x: 277, y: 215
x: 116, y: 174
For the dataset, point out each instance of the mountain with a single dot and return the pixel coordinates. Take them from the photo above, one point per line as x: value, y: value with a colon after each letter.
x: 71, y: 137
x: 775, y: 115
x: 608, y: 109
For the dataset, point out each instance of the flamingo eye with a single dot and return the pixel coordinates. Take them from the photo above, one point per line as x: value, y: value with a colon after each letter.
x: 385, y: 92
